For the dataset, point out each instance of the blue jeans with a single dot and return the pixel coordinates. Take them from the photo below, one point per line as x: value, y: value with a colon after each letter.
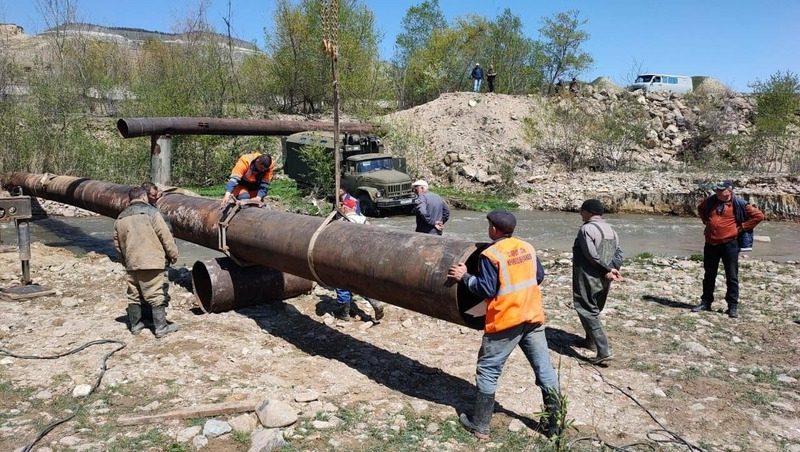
x: 728, y: 253
x: 496, y: 347
x: 343, y: 296
x: 476, y: 86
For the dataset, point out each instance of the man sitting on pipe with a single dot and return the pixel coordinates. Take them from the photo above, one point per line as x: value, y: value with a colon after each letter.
x: 508, y: 281
x: 249, y: 179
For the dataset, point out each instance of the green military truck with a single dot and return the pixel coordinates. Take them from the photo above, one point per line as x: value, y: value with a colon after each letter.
x: 376, y: 178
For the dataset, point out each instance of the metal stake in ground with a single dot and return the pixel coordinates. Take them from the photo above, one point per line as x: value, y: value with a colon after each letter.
x: 18, y: 209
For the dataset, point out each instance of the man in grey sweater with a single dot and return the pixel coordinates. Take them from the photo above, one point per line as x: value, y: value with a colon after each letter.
x: 431, y: 211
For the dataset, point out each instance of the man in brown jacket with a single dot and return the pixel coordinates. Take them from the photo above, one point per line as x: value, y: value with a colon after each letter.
x: 727, y: 217
x: 143, y: 240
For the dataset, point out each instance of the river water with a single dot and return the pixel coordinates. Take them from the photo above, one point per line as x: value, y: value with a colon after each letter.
x: 659, y: 235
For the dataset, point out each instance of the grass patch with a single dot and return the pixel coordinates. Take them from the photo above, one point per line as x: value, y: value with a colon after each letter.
x: 285, y: 190
x: 643, y: 366
x: 696, y: 257
x: 410, y: 434
x: 671, y: 347
x: 768, y: 376
x: 349, y: 417
x: 451, y: 430
x: 754, y: 397
x: 691, y: 373
x: 644, y: 256
x: 477, y: 201
x: 197, y: 421
x: 212, y: 191
x: 241, y: 437
x: 151, y: 439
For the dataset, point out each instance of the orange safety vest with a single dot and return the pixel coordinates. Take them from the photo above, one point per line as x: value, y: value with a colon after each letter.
x: 248, y: 179
x: 518, y: 299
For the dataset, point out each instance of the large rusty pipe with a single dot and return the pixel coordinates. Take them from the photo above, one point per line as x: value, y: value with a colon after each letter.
x: 221, y: 285
x: 401, y: 268
x: 140, y: 127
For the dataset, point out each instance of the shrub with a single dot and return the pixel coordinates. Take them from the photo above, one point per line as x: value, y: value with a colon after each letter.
x: 616, y: 134
x: 321, y: 169
x: 775, y: 143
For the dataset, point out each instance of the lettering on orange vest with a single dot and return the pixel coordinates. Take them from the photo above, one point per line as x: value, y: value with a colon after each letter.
x: 519, y: 298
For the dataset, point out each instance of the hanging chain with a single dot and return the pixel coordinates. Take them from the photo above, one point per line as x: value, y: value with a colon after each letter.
x: 330, y: 27
x: 330, y: 16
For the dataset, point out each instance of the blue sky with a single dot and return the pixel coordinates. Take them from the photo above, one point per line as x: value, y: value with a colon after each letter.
x: 735, y: 41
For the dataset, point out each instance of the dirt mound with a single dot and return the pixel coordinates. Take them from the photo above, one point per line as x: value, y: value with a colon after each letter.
x: 476, y: 127
x: 605, y: 84
x: 708, y: 85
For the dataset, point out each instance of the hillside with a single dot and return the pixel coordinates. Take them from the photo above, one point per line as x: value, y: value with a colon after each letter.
x: 26, y: 49
x: 466, y: 139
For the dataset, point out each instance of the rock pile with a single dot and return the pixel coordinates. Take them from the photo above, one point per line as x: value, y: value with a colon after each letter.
x: 467, y: 138
x: 468, y: 134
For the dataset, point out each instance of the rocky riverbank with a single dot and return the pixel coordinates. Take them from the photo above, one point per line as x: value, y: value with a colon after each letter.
x: 717, y: 383
x: 655, y: 192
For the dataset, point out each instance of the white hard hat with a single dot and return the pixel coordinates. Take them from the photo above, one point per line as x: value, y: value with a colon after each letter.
x: 420, y: 183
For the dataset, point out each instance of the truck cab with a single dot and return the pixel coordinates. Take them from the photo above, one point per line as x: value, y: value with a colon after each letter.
x: 375, y: 177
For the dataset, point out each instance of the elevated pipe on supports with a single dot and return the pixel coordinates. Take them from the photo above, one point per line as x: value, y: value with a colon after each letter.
x: 405, y: 269
x: 141, y: 127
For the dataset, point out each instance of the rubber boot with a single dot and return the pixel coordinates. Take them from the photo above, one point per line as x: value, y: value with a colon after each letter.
x: 342, y: 311
x: 603, y: 349
x: 478, y: 425
x: 732, y: 311
x: 703, y: 306
x: 552, y: 403
x: 160, y: 324
x: 588, y: 341
x: 135, y: 324
x: 377, y: 306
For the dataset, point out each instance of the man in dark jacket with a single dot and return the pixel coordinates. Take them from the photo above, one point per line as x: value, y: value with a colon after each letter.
x: 726, y: 217
x: 490, y: 76
x: 477, y: 77
x: 143, y: 241
x: 596, y: 259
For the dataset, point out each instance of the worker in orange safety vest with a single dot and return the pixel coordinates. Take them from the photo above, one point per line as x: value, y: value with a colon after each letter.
x: 508, y: 280
x: 250, y: 178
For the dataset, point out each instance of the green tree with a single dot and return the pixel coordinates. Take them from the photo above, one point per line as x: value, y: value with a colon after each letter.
x: 419, y: 23
x: 517, y: 58
x: 776, y: 142
x: 778, y: 102
x: 437, y: 59
x: 321, y: 169
x: 299, y: 72
x: 11, y: 155
x: 561, y: 49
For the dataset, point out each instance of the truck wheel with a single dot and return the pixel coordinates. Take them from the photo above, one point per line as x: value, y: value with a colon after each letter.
x: 367, y: 206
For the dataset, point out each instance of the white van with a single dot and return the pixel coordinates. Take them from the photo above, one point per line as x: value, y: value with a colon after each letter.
x: 659, y: 83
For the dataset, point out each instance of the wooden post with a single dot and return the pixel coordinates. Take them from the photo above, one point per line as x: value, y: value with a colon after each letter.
x: 160, y: 159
